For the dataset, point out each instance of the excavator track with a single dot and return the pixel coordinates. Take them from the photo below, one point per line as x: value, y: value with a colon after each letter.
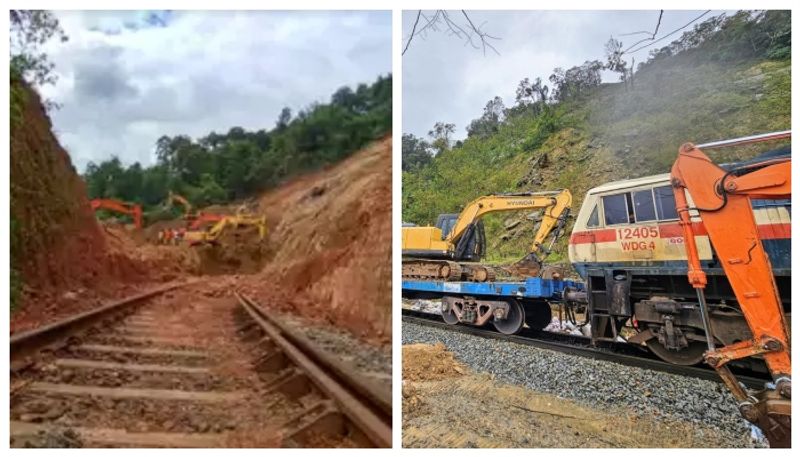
x: 446, y: 270
x: 441, y: 270
x: 479, y: 273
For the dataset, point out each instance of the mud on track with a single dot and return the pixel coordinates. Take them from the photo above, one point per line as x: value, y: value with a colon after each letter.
x: 177, y: 372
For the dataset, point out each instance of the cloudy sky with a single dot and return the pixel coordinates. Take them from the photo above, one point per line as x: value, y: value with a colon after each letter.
x: 444, y: 80
x: 126, y: 78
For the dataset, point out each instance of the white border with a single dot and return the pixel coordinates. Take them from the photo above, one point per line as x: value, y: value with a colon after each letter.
x: 397, y: 6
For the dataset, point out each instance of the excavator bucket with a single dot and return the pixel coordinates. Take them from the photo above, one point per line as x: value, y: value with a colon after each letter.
x: 528, y: 266
x: 531, y: 267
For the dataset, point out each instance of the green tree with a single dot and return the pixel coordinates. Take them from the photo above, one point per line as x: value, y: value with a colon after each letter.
x: 489, y: 122
x: 441, y: 134
x: 221, y: 167
x: 416, y: 152
x: 30, y: 29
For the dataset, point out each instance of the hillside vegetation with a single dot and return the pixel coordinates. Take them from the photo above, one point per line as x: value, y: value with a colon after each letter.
x: 220, y: 168
x: 728, y: 77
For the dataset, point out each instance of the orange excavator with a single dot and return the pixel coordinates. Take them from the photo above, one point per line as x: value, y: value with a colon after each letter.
x: 723, y: 200
x: 132, y: 209
x: 203, y: 218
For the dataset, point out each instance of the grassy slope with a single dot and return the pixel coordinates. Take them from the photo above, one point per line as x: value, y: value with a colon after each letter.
x: 611, y: 134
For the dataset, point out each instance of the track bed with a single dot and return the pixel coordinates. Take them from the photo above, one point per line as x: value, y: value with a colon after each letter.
x: 183, y: 370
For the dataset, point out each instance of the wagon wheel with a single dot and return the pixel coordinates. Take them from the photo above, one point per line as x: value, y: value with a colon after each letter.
x: 691, y: 355
x: 513, y: 322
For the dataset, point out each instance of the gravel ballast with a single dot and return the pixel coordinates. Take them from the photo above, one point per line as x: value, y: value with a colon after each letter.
x: 596, y: 383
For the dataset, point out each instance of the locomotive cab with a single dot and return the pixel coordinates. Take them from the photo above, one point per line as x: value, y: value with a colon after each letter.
x: 628, y: 246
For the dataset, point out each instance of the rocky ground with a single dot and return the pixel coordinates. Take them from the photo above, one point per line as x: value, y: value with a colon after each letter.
x: 640, y: 408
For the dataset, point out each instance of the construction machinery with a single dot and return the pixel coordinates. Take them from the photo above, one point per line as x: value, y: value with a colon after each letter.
x: 724, y: 200
x: 173, y: 198
x: 203, y: 218
x: 444, y: 252
x: 131, y: 209
x: 227, y: 223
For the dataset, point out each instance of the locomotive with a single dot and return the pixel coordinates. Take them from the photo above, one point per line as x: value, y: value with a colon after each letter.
x: 628, y: 247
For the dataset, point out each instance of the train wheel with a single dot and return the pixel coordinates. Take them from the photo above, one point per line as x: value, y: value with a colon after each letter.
x: 513, y: 322
x: 691, y: 355
x: 537, y: 315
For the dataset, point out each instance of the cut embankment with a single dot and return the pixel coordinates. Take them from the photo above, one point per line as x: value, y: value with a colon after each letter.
x: 62, y: 259
x: 330, y: 244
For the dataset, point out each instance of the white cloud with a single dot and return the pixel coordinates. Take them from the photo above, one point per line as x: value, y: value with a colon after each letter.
x: 125, y: 79
x: 443, y: 80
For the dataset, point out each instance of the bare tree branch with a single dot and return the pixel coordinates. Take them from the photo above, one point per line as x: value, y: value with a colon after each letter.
x: 671, y: 33
x: 413, y: 30
x: 651, y: 37
x: 441, y: 21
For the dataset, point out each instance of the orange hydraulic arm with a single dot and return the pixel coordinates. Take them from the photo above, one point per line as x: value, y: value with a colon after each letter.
x: 203, y: 218
x: 118, y: 206
x: 723, y: 200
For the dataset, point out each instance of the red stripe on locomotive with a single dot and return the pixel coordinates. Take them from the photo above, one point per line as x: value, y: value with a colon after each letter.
x: 673, y: 230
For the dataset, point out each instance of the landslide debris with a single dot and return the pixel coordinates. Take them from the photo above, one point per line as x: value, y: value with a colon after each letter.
x: 329, y: 244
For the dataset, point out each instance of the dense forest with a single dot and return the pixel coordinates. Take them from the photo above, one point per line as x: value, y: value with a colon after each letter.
x: 219, y: 168
x: 726, y: 76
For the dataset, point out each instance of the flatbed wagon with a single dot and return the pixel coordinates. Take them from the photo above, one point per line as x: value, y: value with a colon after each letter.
x: 507, y: 304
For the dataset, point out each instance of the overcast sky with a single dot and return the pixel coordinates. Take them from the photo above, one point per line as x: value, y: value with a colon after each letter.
x: 443, y: 80
x: 126, y: 78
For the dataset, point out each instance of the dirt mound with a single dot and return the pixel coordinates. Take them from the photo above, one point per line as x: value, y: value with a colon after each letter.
x: 59, y: 251
x: 330, y: 236
x: 237, y: 250
x: 425, y: 362
x: 162, y: 263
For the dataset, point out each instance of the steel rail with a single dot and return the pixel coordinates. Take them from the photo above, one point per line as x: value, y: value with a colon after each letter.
x: 26, y: 344
x: 356, y: 402
x: 433, y: 320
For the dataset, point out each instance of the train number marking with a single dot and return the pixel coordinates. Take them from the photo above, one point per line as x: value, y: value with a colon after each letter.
x: 638, y: 238
x: 629, y: 233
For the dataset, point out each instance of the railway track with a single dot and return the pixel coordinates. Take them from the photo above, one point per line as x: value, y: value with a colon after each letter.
x: 623, y: 354
x: 186, y: 368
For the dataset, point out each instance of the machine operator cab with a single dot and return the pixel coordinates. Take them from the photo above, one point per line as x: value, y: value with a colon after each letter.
x: 476, y: 241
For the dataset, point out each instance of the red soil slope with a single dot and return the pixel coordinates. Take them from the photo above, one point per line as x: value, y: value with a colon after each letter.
x: 331, y: 242
x: 63, y: 255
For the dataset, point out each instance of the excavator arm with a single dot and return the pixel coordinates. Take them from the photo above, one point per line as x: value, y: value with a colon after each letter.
x: 173, y: 198
x: 723, y: 200
x: 556, y: 206
x: 132, y: 209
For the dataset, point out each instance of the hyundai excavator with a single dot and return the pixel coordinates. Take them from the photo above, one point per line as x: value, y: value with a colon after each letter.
x: 132, y: 209
x: 723, y: 200
x: 446, y: 251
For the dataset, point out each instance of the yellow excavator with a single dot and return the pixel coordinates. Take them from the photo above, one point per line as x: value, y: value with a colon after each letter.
x: 444, y: 252
x: 212, y: 235
x: 173, y: 199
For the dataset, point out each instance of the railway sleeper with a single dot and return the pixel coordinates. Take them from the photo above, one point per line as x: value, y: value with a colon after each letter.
x: 292, y: 383
x: 318, y: 421
x: 274, y: 362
